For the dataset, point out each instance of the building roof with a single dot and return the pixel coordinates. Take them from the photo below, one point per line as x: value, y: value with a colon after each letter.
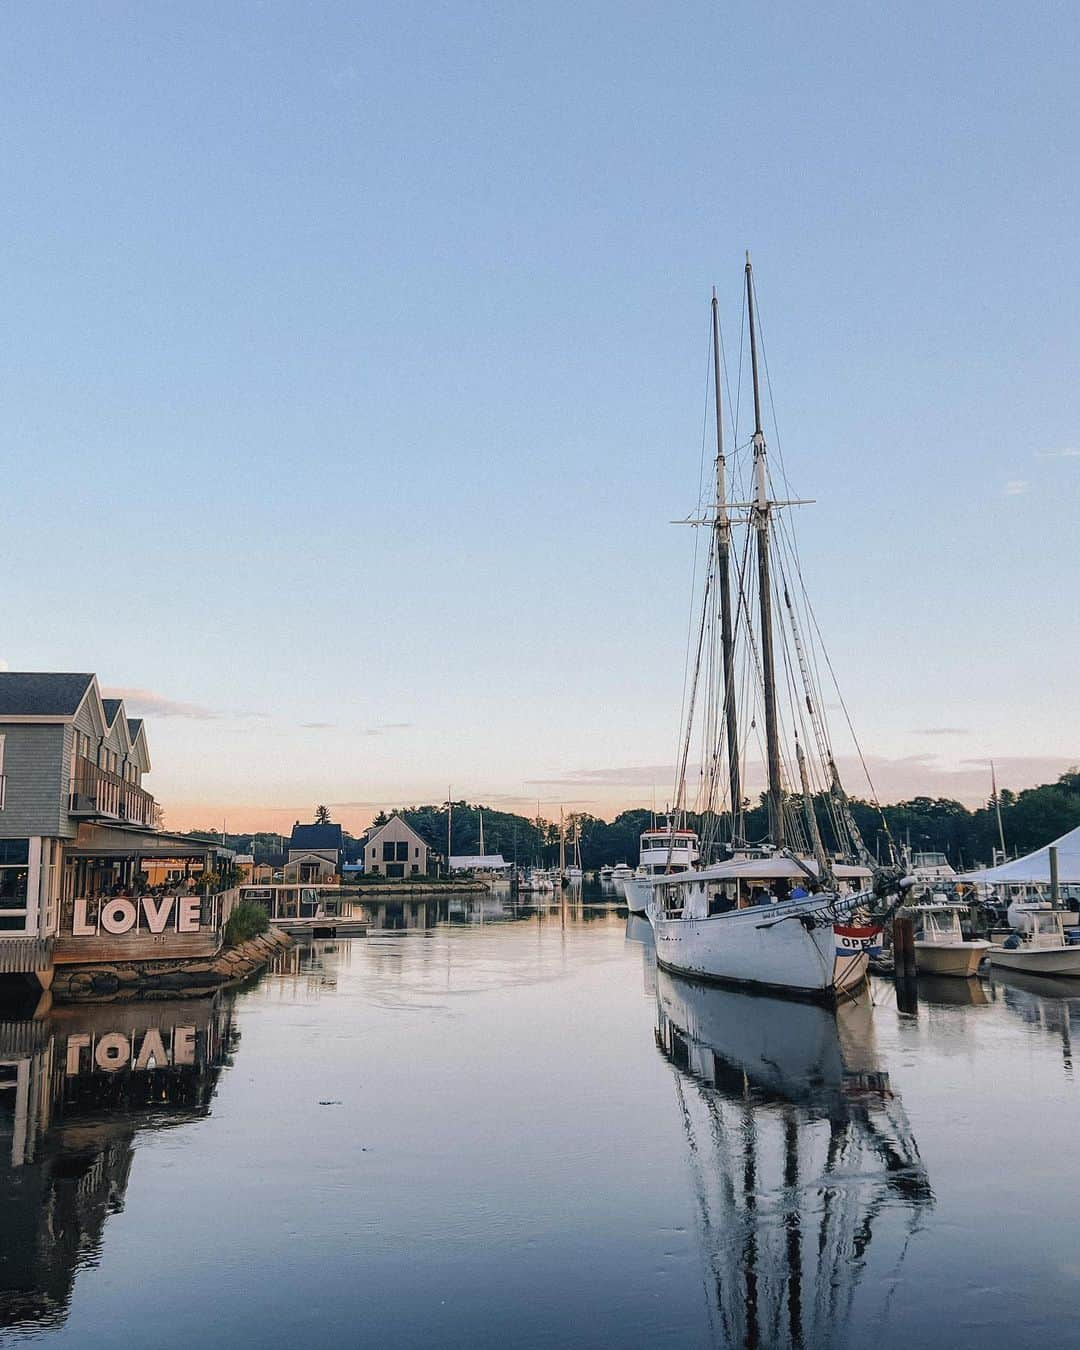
x: 378, y: 829
x: 315, y: 836
x: 134, y: 727
x: 41, y: 694
x: 112, y: 707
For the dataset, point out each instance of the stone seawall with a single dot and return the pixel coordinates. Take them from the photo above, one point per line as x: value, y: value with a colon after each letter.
x: 188, y: 977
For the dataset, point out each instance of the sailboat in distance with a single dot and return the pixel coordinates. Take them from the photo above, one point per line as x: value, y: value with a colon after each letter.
x: 784, y: 912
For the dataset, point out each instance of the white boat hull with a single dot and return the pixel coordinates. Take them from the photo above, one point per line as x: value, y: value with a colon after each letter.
x: 764, y: 947
x: 1038, y: 960
x: 636, y: 893
x: 950, y: 958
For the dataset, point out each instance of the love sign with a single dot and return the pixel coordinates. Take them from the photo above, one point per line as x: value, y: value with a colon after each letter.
x: 181, y: 914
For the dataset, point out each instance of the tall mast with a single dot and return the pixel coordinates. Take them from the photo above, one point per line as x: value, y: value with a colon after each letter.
x: 722, y: 526
x: 761, y: 524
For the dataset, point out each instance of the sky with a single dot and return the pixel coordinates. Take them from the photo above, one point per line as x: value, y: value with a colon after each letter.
x: 354, y: 362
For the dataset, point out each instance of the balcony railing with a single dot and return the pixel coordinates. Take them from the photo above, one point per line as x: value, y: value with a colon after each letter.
x: 97, y: 792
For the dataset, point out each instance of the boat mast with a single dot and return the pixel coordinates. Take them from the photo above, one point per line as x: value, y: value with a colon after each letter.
x: 760, y: 515
x: 722, y: 527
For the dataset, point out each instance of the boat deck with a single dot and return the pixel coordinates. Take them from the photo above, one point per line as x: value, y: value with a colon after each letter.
x: 324, y: 927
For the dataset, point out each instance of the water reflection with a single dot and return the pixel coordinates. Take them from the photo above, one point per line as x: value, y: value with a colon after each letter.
x: 1045, y: 1004
x: 75, y: 1089
x: 576, y: 904
x: 800, y: 1152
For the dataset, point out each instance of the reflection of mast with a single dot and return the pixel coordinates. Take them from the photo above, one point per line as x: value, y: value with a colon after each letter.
x: 797, y: 1144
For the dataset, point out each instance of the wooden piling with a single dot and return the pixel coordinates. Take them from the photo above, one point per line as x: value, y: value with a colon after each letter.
x: 903, y: 936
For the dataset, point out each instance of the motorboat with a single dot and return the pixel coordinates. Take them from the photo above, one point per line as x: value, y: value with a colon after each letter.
x: 1044, y: 950
x: 607, y: 874
x: 941, y: 948
x: 664, y: 850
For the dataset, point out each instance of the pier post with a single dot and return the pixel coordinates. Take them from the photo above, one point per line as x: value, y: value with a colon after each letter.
x: 904, y: 948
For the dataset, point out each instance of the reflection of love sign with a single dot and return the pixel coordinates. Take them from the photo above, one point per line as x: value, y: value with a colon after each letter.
x: 121, y: 916
x: 152, y: 1049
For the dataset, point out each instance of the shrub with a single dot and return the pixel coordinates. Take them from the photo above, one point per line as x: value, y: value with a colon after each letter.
x: 246, y: 921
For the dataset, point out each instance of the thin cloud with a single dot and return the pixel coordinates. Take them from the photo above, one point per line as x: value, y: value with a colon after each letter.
x: 1066, y: 452
x: 1016, y: 487
x: 941, y: 731
x: 317, y: 726
x: 639, y: 775
x: 147, y: 703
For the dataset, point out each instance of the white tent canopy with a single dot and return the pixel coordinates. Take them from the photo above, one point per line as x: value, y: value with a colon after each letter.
x: 478, y: 862
x: 1034, y: 868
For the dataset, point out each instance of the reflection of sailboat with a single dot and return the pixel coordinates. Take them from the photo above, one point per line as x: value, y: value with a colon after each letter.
x: 797, y: 1145
x: 75, y: 1090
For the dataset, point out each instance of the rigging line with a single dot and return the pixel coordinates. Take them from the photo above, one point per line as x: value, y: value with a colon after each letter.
x: 875, y: 802
x: 684, y: 727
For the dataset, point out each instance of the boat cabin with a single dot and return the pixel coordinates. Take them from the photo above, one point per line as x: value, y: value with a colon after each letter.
x: 665, y: 850
x: 940, y: 924
x: 295, y: 902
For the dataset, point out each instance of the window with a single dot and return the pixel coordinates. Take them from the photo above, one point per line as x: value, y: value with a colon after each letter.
x: 388, y: 852
x: 403, y: 851
x: 415, y: 868
x: 415, y: 852
x: 14, y: 875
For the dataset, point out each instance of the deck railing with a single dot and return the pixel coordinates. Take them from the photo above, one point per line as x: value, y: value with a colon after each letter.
x: 97, y: 792
x: 24, y: 955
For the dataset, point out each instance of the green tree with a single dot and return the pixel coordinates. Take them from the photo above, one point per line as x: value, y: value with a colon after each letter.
x: 322, y: 815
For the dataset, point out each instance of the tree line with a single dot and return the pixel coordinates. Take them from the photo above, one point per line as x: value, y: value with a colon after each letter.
x: 1029, y: 819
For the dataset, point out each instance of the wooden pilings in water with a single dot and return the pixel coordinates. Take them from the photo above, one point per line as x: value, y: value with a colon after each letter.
x: 903, y: 938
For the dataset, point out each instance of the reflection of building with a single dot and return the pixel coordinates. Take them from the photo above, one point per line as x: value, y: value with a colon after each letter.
x: 797, y: 1144
x: 314, y: 853
x: 395, y: 850
x: 75, y: 1090
x: 77, y: 824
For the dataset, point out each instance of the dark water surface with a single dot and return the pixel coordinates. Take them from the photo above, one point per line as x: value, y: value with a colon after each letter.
x: 515, y: 1132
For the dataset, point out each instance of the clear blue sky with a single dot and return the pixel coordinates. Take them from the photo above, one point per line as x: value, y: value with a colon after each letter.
x: 354, y: 361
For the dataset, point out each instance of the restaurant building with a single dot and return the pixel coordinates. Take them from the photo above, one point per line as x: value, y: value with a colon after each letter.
x: 84, y: 868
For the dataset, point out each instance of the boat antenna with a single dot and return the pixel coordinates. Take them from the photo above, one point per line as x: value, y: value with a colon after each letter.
x: 722, y: 528
x: 760, y: 517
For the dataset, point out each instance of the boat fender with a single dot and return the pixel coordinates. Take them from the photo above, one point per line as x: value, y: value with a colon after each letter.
x: 1011, y: 942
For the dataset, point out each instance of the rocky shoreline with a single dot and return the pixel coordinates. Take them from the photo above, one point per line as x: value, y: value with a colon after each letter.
x: 189, y: 977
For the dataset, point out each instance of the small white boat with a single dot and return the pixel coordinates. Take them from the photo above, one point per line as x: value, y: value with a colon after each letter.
x: 1020, y: 913
x: 607, y: 874
x: 941, y: 948
x: 1042, y: 951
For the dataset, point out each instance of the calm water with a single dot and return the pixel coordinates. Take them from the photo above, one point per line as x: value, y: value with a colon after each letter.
x: 517, y: 1133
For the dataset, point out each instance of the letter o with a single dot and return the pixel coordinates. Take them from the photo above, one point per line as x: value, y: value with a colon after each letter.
x: 112, y: 1052
x: 118, y: 916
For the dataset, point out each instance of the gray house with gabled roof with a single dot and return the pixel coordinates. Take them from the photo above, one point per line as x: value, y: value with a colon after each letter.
x: 76, y: 823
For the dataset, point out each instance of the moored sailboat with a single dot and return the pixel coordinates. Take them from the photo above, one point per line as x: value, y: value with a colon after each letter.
x: 783, y: 935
